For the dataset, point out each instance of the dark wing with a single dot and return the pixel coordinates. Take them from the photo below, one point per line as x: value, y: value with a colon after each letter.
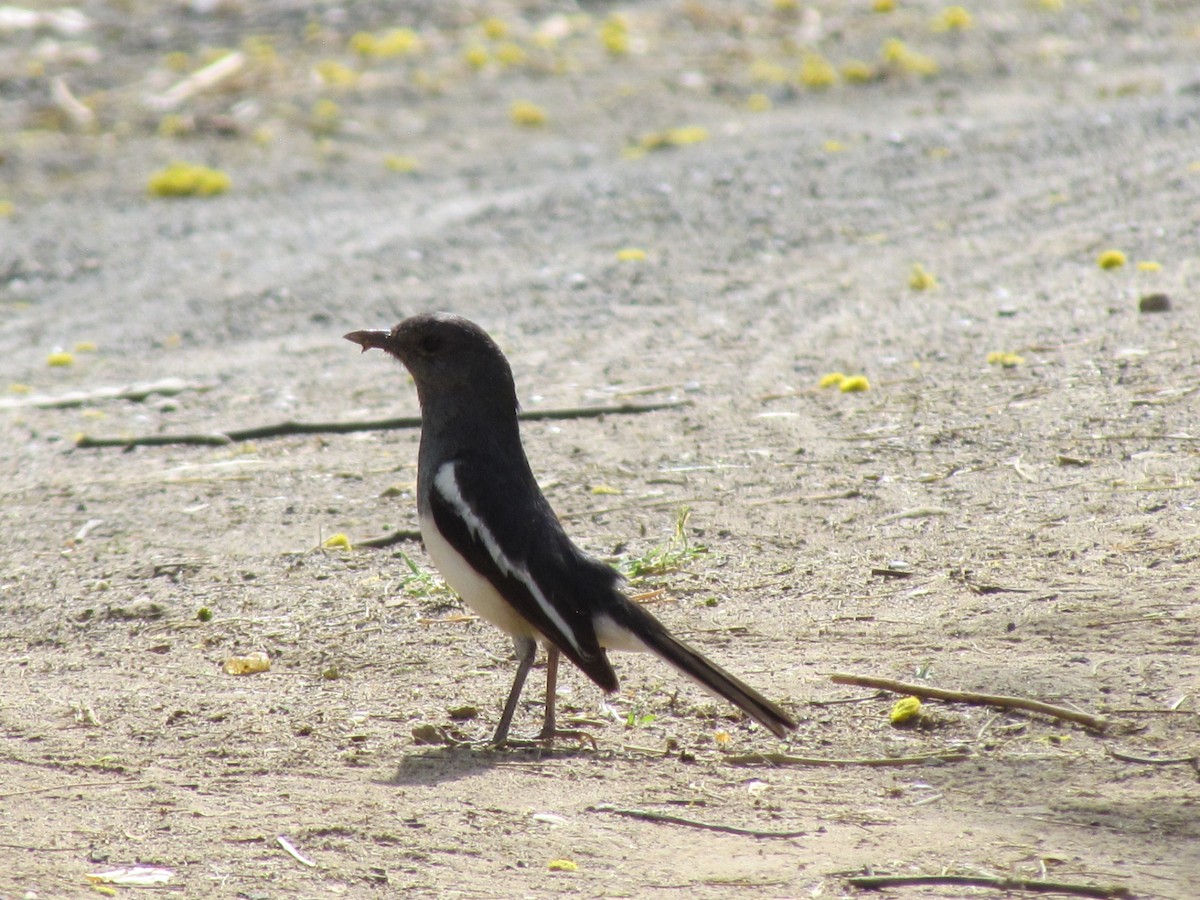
x: 497, y: 518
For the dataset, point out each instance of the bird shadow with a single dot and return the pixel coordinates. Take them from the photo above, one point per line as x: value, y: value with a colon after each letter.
x: 436, y: 765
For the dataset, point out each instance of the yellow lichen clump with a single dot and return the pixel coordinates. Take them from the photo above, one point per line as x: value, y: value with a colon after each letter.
x: 325, y: 117
x: 1005, y: 359
x: 60, y: 359
x: 631, y: 254
x: 816, y: 72
x: 919, y: 279
x: 363, y: 43
x: 673, y: 137
x: 853, y: 384
x: 953, y: 18
x: 494, y: 28
x: 509, y: 54
x: 334, y: 74
x: 614, y: 35
x: 1111, y: 259
x: 687, y: 134
x: 847, y: 384
x: 399, y: 42
x: 181, y: 179
x: 476, y: 56
x: 858, y: 72
x: 395, y: 42
x: 527, y: 115
x: 898, y: 55
x: 758, y: 103
x: 905, y: 710
x: 405, y: 165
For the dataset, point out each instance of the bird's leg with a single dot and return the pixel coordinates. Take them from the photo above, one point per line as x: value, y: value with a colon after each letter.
x: 526, y: 648
x: 549, y: 731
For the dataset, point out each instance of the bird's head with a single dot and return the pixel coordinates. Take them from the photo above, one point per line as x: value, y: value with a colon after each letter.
x: 453, y: 361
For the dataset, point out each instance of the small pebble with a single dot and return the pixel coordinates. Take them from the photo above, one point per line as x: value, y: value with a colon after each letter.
x: 1153, y: 303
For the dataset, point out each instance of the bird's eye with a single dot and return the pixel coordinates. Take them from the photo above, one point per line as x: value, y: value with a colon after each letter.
x: 431, y: 343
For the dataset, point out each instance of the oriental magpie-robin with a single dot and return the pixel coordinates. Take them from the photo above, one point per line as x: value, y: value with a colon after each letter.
x: 495, y: 539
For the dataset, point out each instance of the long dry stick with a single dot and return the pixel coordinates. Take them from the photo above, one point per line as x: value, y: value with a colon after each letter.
x: 1096, y: 723
x: 1002, y: 884
x: 399, y: 536
x: 283, y: 429
x: 66, y: 787
x: 1154, y: 760
x: 782, y: 759
x: 647, y: 816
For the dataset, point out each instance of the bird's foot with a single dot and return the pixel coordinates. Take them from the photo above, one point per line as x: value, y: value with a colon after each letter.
x: 580, y: 737
x: 544, y: 741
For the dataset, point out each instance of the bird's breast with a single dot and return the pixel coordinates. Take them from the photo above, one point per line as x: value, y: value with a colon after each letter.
x: 475, y: 589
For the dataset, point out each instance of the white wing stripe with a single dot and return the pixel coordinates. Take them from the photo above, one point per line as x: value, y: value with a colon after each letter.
x: 446, y: 484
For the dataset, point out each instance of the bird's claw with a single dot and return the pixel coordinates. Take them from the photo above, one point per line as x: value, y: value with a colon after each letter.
x: 544, y: 741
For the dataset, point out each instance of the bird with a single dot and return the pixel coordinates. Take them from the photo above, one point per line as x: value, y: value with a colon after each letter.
x: 497, y: 542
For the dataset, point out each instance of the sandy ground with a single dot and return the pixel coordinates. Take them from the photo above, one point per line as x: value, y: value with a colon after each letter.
x: 1028, y: 530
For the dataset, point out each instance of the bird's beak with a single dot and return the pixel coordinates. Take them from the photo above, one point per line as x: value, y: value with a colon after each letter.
x: 369, y: 339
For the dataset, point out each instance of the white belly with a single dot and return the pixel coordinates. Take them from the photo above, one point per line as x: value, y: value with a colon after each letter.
x: 476, y: 591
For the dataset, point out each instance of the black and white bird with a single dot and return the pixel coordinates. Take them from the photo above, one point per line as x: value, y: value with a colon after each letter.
x: 491, y: 533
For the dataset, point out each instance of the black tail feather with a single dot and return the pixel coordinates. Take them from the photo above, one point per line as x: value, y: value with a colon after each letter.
x: 704, y: 671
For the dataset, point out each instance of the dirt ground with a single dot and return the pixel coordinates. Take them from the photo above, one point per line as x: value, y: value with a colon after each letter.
x: 1029, y: 529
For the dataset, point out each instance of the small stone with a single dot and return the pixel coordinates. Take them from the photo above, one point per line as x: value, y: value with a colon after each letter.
x: 1071, y: 461
x: 429, y: 734
x: 1154, y: 303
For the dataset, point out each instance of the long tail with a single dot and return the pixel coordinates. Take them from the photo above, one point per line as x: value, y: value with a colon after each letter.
x: 644, y: 629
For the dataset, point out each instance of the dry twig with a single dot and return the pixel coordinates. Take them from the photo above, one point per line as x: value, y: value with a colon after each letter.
x: 647, y: 816
x: 77, y: 112
x: 783, y: 759
x: 1001, y: 884
x: 66, y: 787
x: 293, y: 852
x: 1096, y: 723
x: 1154, y: 760
x: 210, y: 76
x: 399, y: 536
x: 285, y: 429
x: 919, y: 512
